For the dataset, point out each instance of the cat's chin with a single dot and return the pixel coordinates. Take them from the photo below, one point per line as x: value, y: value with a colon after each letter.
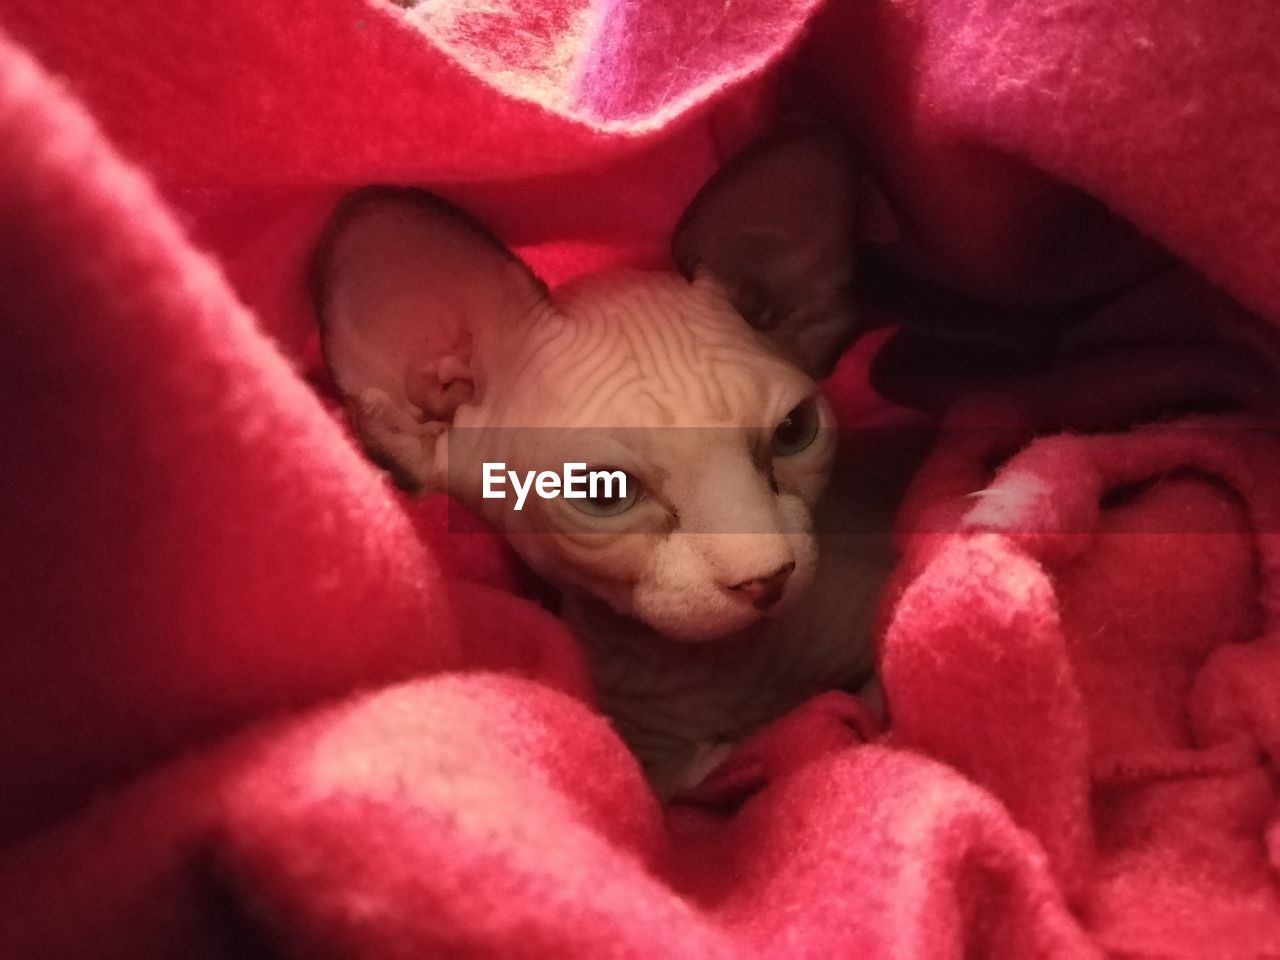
x: 698, y: 620
x: 720, y: 628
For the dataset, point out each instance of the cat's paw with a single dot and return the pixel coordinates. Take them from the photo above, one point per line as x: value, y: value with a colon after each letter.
x: 706, y: 759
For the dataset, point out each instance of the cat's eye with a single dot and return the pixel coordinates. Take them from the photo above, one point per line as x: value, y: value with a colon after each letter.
x: 797, y: 430
x: 609, y: 499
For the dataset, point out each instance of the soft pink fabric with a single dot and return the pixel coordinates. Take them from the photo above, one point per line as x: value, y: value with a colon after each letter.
x: 254, y: 117
x: 1093, y: 637
x: 254, y: 703
x: 1008, y: 134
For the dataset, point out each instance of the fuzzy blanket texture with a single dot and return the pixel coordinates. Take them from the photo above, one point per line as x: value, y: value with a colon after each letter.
x: 253, y: 703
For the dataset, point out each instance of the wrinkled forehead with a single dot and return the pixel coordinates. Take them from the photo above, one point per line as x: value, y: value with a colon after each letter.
x: 650, y: 349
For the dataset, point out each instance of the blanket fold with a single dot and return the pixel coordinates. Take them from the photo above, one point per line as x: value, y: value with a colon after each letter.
x: 1075, y: 636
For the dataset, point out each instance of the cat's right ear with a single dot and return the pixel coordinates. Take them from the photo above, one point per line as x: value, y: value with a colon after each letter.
x: 411, y: 294
x: 776, y: 227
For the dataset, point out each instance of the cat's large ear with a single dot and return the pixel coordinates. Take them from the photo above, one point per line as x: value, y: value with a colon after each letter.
x: 776, y: 228
x: 412, y: 295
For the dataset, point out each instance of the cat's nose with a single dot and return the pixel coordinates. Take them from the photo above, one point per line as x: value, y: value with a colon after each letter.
x: 764, y: 592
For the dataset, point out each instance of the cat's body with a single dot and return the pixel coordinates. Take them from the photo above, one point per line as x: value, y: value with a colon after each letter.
x: 716, y: 592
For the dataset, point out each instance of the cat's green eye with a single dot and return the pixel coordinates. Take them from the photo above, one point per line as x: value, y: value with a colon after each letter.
x: 797, y: 430
x: 609, y: 499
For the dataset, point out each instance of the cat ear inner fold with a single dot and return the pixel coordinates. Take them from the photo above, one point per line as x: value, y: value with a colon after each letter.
x: 776, y: 228
x: 410, y: 293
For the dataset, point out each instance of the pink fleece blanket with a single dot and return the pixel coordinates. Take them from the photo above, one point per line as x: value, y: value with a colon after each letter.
x: 252, y: 703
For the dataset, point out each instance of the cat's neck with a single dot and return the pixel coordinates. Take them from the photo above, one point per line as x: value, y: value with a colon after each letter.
x: 669, y: 698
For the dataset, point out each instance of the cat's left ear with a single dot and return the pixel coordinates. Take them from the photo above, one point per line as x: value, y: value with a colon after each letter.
x: 776, y: 227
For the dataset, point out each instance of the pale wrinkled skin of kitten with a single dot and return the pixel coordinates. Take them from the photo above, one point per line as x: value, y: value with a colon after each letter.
x: 708, y: 607
x: 650, y: 374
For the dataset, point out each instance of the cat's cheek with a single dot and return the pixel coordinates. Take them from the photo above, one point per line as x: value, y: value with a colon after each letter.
x: 804, y: 547
x: 677, y: 595
x: 602, y: 563
x: 804, y: 475
x: 796, y: 520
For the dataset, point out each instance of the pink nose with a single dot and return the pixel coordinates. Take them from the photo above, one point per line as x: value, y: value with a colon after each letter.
x: 764, y: 592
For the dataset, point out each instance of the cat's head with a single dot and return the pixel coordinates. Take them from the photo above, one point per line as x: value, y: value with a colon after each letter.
x: 699, y: 386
